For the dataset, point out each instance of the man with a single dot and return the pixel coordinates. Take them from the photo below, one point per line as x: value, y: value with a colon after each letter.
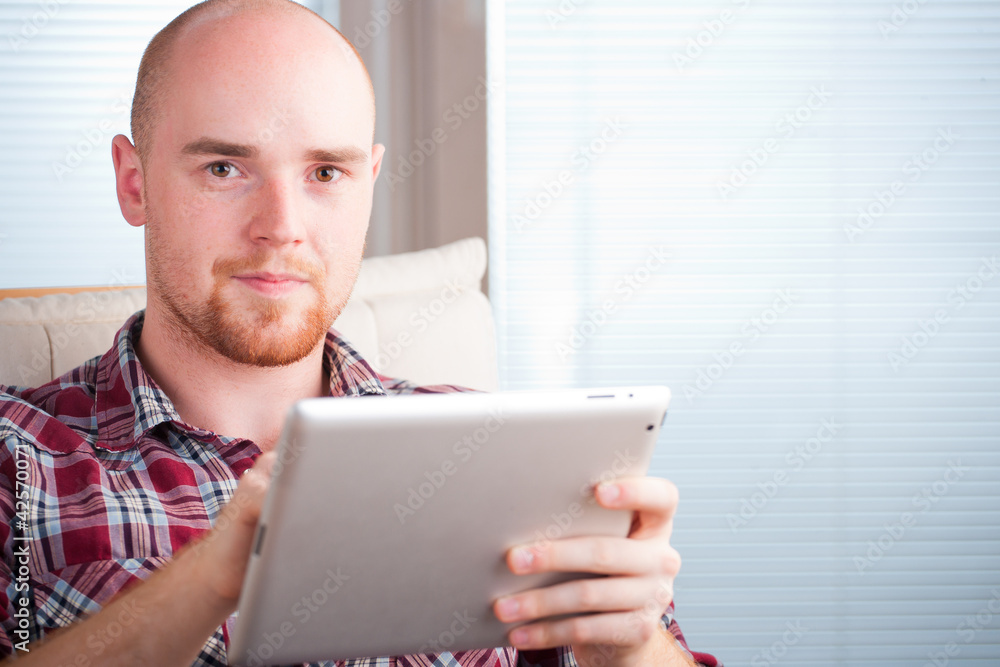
x: 252, y: 173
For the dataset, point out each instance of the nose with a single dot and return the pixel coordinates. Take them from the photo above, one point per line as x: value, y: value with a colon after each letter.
x: 276, y: 219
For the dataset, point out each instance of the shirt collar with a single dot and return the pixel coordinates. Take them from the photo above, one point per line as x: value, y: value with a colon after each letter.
x: 130, y: 404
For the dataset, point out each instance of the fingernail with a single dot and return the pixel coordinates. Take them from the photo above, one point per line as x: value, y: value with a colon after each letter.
x: 508, y: 608
x: 610, y: 492
x: 524, y: 558
x: 519, y: 637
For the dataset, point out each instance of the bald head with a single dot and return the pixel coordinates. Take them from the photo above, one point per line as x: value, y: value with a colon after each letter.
x: 154, y: 82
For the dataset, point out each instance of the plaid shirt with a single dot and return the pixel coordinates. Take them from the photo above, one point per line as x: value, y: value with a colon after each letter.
x: 101, y: 482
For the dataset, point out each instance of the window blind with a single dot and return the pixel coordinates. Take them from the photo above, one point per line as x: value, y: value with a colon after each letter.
x: 67, y: 74
x: 788, y: 213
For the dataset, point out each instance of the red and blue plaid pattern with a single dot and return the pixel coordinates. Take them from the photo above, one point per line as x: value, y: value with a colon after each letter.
x: 101, y: 483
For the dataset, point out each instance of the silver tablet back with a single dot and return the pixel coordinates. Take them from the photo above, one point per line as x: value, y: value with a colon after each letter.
x: 388, y: 520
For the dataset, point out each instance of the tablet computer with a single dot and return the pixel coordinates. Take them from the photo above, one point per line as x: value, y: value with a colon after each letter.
x: 388, y: 519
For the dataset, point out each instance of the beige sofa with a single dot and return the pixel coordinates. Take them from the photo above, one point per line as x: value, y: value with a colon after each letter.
x: 420, y: 316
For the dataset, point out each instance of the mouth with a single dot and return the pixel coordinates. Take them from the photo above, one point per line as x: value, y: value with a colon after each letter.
x: 274, y: 285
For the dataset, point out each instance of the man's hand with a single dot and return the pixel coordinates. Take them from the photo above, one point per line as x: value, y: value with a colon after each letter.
x: 221, y: 555
x: 629, y: 601
x: 173, y: 613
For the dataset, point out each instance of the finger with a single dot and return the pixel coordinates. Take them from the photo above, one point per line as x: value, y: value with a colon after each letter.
x: 600, y: 555
x: 265, y: 463
x: 224, y: 550
x: 654, y: 498
x: 251, y: 490
x: 604, y: 594
x: 621, y: 629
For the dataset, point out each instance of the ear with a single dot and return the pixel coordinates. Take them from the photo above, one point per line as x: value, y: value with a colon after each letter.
x: 128, y: 180
x: 378, y: 151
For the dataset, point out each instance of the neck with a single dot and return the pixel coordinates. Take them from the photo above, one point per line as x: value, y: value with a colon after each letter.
x: 212, y: 392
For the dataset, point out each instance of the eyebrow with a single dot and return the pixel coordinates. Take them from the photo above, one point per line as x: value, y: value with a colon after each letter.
x: 343, y: 155
x: 209, y: 146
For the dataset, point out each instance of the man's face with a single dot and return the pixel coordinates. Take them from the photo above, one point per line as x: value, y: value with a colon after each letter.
x: 258, y: 187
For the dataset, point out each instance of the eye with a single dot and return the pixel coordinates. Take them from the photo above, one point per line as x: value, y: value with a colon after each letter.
x: 327, y: 174
x: 223, y: 170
